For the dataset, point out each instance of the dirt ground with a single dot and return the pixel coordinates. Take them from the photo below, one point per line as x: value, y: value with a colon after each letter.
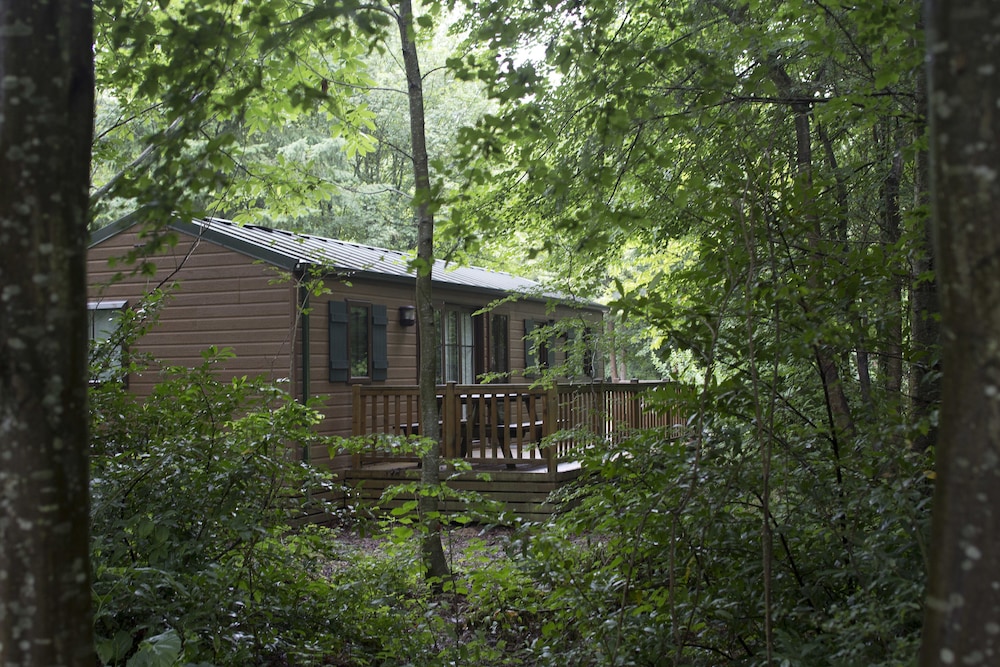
x: 489, y: 541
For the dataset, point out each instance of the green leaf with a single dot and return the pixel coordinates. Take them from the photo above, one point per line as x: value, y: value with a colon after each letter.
x: 162, y: 650
x: 402, y: 532
x: 114, y: 649
x: 886, y: 78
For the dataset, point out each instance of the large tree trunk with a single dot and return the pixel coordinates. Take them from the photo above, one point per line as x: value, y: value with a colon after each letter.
x: 963, y: 605
x: 46, y: 115
x: 433, y: 554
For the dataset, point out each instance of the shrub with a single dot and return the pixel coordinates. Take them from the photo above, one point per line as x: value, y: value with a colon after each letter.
x: 192, y: 494
x: 661, y: 561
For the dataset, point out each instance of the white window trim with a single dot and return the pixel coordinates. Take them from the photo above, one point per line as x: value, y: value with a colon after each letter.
x: 104, y: 305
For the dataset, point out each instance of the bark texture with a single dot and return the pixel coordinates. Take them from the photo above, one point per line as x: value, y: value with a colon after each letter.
x: 962, y: 619
x: 925, y: 329
x: 433, y: 553
x: 46, y: 112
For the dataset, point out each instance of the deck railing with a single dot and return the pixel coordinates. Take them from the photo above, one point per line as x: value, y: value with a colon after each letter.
x: 505, y: 423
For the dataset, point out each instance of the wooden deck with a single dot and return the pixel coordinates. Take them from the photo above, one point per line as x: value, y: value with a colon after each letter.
x: 524, y: 492
x: 523, y: 437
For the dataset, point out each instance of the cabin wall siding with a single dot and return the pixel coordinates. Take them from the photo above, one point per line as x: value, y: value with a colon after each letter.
x: 221, y: 298
x: 226, y: 299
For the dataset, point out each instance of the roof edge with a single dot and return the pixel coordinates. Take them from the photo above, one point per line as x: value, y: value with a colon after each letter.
x: 202, y: 228
x: 199, y: 230
x: 104, y: 233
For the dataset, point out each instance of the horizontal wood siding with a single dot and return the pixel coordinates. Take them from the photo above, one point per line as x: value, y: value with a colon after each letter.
x: 222, y: 299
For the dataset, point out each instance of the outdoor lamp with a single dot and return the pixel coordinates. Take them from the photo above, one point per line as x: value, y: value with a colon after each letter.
x: 407, y: 316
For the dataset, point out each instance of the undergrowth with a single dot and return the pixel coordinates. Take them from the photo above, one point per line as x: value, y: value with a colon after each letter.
x: 197, y: 559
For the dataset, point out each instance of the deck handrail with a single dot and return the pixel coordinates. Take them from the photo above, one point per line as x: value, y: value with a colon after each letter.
x: 505, y: 423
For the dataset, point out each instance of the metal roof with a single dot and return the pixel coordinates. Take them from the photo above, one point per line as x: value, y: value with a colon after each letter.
x: 290, y: 250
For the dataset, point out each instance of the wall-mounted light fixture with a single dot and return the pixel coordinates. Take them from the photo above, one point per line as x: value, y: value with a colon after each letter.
x: 407, y: 316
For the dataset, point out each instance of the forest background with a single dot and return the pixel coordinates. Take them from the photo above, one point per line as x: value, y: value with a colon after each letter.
x: 745, y: 184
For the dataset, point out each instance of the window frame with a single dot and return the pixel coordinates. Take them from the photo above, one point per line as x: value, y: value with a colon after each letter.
x: 339, y: 330
x: 464, y: 350
x: 353, y: 306
x: 116, y: 306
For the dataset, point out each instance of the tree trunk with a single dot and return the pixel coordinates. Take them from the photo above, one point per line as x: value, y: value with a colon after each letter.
x: 925, y: 334
x: 963, y: 605
x: 892, y: 345
x: 838, y: 408
x: 433, y: 553
x: 46, y: 116
x: 840, y: 233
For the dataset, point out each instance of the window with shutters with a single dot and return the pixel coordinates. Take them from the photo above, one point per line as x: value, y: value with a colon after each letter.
x: 358, y: 341
x: 359, y: 356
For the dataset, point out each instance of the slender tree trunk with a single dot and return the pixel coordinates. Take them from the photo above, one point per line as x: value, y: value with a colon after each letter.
x: 925, y: 330
x: 841, y: 420
x: 433, y: 554
x: 861, y: 352
x: 891, y: 224
x: 838, y: 408
x: 46, y: 116
x: 962, y: 615
x: 833, y: 387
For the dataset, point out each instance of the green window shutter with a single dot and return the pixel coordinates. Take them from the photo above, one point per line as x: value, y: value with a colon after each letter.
x: 339, y: 366
x: 380, y: 343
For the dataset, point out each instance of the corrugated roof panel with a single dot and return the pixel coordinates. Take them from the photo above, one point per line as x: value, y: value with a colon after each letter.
x: 289, y: 249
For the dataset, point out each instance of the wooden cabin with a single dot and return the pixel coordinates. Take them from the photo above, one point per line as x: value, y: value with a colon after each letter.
x: 336, y: 320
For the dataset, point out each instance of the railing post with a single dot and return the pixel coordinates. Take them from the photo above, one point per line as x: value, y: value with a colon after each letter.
x: 636, y: 420
x: 550, y: 419
x: 448, y: 421
x: 357, y: 422
x: 605, y: 417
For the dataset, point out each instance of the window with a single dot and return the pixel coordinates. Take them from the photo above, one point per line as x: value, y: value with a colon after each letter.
x: 471, y: 345
x: 457, y: 347
x: 103, y: 320
x: 358, y: 341
x: 581, y: 356
x: 538, y: 353
x: 499, y: 360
